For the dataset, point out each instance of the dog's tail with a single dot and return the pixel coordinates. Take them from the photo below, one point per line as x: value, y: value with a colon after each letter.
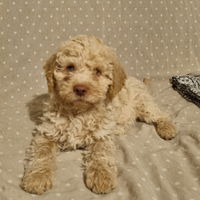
x: 148, y: 84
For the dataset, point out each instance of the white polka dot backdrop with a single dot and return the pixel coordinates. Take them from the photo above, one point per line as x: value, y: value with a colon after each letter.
x: 156, y: 38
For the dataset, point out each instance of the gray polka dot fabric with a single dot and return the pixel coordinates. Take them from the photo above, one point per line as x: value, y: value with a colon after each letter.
x: 156, y: 38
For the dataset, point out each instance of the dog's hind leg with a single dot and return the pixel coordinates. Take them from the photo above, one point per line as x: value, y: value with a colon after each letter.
x: 149, y: 112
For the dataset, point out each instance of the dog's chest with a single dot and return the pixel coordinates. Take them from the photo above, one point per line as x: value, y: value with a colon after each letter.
x: 81, y: 130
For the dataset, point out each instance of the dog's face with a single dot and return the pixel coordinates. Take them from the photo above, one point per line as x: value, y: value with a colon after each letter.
x: 84, y: 71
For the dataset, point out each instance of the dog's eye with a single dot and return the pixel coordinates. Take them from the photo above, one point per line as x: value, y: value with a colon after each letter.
x: 71, y: 68
x: 58, y: 66
x: 98, y: 72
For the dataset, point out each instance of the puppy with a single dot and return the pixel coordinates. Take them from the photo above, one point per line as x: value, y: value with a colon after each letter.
x: 92, y: 99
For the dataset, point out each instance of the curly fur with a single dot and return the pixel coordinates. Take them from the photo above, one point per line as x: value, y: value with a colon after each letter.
x: 92, y: 99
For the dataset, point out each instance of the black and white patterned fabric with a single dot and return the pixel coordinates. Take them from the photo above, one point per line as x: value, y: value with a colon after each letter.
x: 188, y: 86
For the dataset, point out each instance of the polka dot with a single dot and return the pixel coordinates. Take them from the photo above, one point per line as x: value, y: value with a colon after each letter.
x: 177, y: 183
x: 120, y: 193
x: 143, y: 179
x: 194, y: 188
x: 161, y: 177
x: 20, y: 175
x: 146, y: 173
x: 158, y: 189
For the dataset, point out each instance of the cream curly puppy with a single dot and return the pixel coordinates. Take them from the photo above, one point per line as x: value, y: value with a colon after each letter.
x: 92, y: 99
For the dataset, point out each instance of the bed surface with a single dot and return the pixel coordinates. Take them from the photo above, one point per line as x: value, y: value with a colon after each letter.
x: 156, y: 38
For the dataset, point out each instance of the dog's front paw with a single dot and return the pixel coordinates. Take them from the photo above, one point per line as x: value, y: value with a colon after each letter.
x: 166, y: 129
x: 37, y: 183
x: 101, y: 180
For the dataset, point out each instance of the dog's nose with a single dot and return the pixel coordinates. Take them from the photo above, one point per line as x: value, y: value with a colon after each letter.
x: 80, y: 90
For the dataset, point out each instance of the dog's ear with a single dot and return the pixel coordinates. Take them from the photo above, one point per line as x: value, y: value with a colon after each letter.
x: 49, y: 69
x: 119, y: 78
